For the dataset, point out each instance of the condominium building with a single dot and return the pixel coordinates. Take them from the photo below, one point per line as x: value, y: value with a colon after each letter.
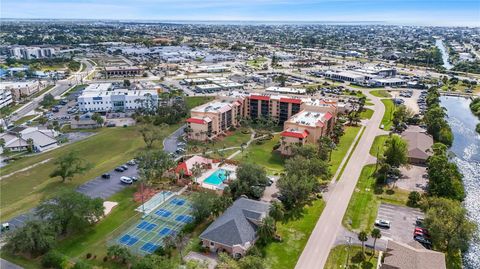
x: 20, y: 89
x: 5, y: 97
x: 304, y: 119
x: 28, y: 53
x: 103, y: 98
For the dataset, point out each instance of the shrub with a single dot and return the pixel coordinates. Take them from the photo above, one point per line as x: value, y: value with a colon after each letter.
x: 81, y: 265
x: 53, y: 259
x: 413, y: 199
x: 89, y: 255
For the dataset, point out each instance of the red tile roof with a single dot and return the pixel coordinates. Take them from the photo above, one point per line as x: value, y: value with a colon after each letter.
x: 291, y: 100
x: 196, y: 120
x: 295, y: 134
x: 260, y: 97
x: 328, y: 116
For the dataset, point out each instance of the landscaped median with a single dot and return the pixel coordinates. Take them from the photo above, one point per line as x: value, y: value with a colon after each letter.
x: 387, y: 120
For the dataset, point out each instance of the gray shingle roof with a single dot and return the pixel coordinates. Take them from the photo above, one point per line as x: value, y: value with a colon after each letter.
x: 403, y: 256
x: 236, y: 226
x: 419, y: 144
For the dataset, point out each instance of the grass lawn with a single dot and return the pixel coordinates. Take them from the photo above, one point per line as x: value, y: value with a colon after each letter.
x: 42, y: 91
x: 233, y: 140
x: 380, y: 93
x: 295, y: 234
x: 193, y: 101
x: 257, y: 62
x: 378, y: 145
x: 345, y: 142
x: 366, y: 113
x: 364, y: 203
x: 388, y: 116
x: 24, y: 119
x: 74, y: 89
x: 338, y: 258
x: 95, y: 240
x: 105, y: 150
x: 263, y: 155
x: 362, y: 87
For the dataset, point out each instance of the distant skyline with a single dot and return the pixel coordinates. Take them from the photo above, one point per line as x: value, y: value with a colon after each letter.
x: 406, y: 12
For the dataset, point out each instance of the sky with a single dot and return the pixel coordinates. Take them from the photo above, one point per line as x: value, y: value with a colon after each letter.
x: 407, y: 12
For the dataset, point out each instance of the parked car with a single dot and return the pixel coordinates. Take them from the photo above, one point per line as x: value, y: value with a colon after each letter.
x: 124, y: 167
x: 134, y: 178
x: 106, y: 176
x: 132, y: 162
x: 382, y: 223
x: 422, y: 239
x: 119, y: 169
x: 126, y: 180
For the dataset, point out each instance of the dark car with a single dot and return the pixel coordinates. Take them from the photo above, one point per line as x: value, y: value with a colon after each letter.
x: 124, y: 167
x: 119, y: 169
x: 106, y: 176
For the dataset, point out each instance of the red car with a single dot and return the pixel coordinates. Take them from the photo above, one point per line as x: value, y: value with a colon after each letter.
x: 421, y: 232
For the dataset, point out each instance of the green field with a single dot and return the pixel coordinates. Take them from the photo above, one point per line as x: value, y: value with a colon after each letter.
x: 380, y: 93
x: 388, y: 116
x: 263, y: 155
x: 105, y: 150
x: 257, y: 62
x: 233, y: 140
x: 193, y: 101
x: 338, y: 258
x: 366, y: 114
x: 363, y: 206
x: 378, y: 145
x: 345, y: 142
x: 295, y: 234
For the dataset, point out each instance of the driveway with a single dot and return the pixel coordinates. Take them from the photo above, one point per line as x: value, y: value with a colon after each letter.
x: 170, y: 143
x: 414, y: 178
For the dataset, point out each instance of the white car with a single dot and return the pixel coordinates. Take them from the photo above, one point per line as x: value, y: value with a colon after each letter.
x: 382, y: 223
x: 126, y: 180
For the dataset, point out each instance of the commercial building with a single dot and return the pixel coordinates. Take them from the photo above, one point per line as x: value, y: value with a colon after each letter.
x: 5, y: 97
x: 20, y: 89
x: 28, y: 53
x: 103, y: 98
x: 18, y: 138
x: 304, y: 119
x: 419, y: 145
x: 286, y: 90
x: 123, y: 71
x: 235, y: 231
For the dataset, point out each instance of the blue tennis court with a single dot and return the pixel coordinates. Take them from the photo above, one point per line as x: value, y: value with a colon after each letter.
x: 149, y: 233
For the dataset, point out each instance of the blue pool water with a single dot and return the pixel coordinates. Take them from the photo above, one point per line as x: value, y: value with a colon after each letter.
x: 216, y: 178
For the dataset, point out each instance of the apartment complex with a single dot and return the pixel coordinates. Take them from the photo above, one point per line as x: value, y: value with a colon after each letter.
x: 304, y: 119
x: 104, y: 98
x: 5, y: 97
x: 28, y: 53
x: 21, y: 89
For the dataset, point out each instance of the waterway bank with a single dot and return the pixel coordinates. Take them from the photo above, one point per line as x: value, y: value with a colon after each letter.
x: 441, y: 46
x: 466, y: 147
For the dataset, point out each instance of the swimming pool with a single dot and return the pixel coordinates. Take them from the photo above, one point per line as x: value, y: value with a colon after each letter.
x: 216, y: 178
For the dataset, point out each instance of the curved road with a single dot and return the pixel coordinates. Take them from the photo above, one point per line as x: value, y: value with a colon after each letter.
x: 315, y: 253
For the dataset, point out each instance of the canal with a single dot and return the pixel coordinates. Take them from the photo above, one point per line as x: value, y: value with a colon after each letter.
x: 466, y: 147
x: 443, y: 50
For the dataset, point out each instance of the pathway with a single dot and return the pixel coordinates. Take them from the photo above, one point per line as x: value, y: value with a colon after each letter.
x: 323, y: 236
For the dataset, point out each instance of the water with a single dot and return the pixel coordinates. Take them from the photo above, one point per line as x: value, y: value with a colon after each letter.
x: 466, y: 146
x: 216, y: 178
x: 443, y: 50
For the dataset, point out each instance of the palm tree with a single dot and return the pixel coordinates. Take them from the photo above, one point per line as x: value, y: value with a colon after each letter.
x: 375, y: 234
x: 196, y: 171
x: 363, y: 237
x: 277, y: 211
x: 266, y: 230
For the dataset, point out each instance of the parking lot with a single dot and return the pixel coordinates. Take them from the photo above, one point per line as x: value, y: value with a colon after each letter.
x: 402, y: 221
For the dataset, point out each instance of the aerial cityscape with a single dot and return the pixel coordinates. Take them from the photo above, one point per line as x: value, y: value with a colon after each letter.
x: 212, y: 134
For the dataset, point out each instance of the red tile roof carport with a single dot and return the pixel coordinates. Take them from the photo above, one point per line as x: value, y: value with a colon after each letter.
x: 295, y: 134
x: 291, y: 100
x: 260, y: 97
x: 196, y: 120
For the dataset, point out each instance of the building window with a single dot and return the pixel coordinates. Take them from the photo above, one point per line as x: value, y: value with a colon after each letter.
x: 212, y: 244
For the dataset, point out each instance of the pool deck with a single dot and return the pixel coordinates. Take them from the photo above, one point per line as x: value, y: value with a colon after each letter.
x: 209, y: 172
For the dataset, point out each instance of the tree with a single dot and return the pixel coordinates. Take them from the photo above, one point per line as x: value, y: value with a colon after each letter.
x: 54, y: 259
x: 277, y: 211
x: 266, y: 230
x: 154, y: 262
x: 401, y: 115
x: 68, y: 165
x: 151, y: 133
x: 414, y: 198
x: 152, y: 164
x: 126, y: 83
x: 325, y: 148
x: 251, y: 181
x: 337, y: 131
x: 30, y: 147
x: 449, y: 226
x: 295, y: 189
x: 35, y: 238
x: 119, y: 254
x: 396, y: 151
x: 363, y: 237
x: 203, y: 204
x: 98, y: 118
x: 48, y: 100
x: 81, y: 265
x: 444, y: 178
x: 375, y: 234
x: 71, y: 211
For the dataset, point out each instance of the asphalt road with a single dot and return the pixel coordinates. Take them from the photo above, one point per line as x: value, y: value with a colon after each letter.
x: 323, y: 236
x: 170, y: 143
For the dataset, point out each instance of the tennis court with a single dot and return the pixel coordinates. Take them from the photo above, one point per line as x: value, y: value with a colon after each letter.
x: 153, y: 202
x: 149, y: 233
